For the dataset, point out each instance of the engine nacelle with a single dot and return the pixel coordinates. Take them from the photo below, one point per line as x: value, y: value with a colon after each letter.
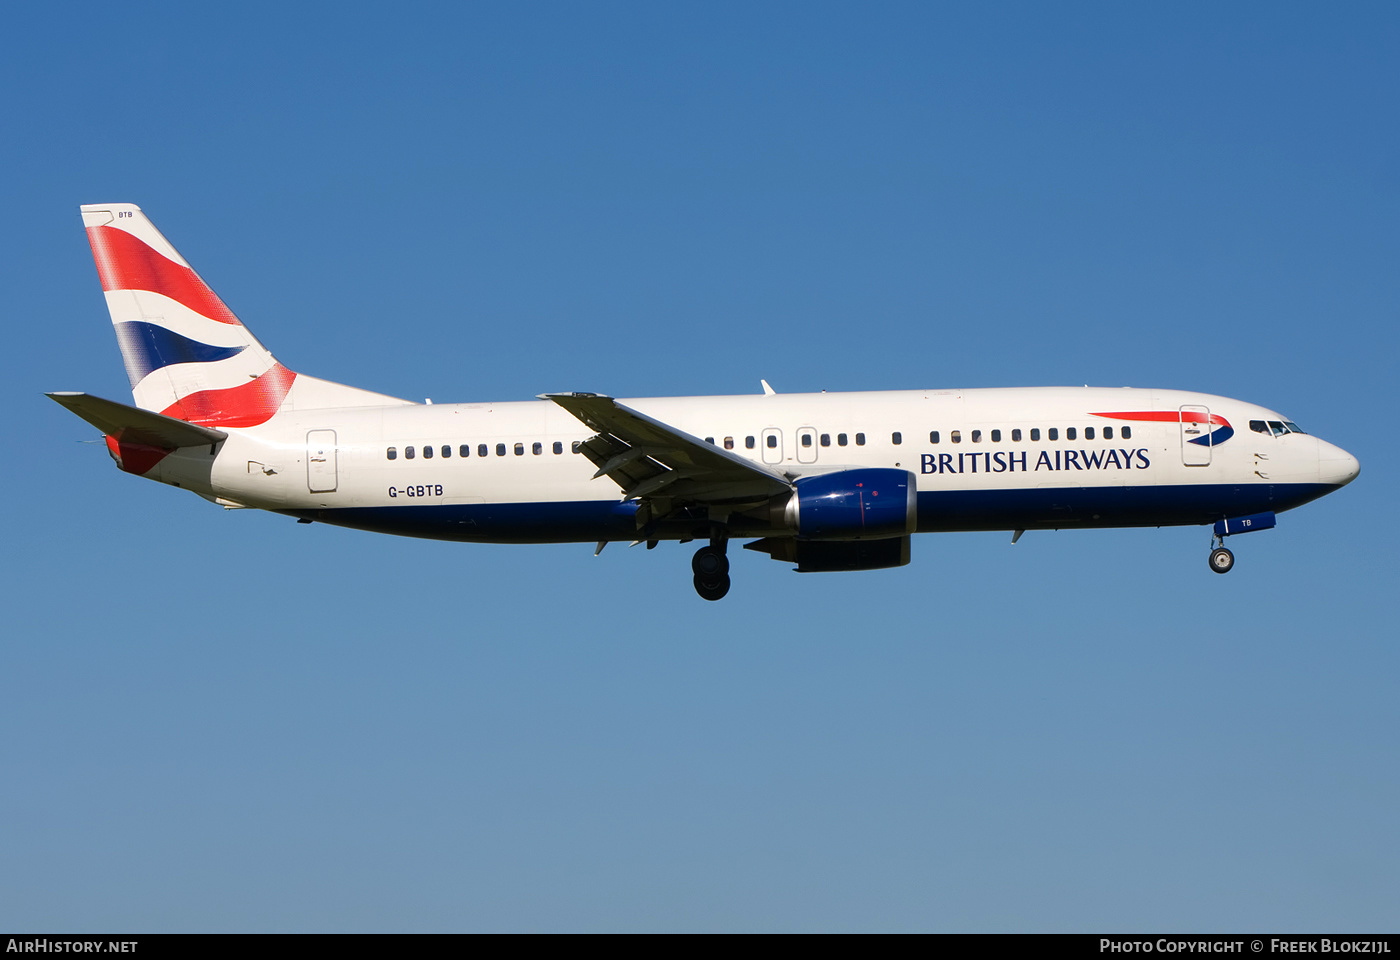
x: 818, y: 556
x: 871, y: 503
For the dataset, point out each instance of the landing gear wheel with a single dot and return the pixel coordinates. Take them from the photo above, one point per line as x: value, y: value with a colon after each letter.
x: 712, y: 589
x: 1222, y: 560
x: 710, y: 564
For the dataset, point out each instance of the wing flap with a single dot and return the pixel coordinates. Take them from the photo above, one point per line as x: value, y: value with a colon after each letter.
x: 134, y: 425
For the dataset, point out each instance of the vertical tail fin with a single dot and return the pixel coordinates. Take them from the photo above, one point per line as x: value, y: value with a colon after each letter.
x: 186, y: 354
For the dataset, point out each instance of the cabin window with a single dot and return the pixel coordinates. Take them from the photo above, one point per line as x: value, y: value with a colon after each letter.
x: 933, y: 436
x: 955, y: 436
x: 1053, y: 433
x: 520, y: 449
x: 500, y: 449
x: 465, y: 450
x: 575, y: 445
x: 558, y: 447
x: 896, y: 438
x: 537, y: 448
x: 391, y: 453
x: 1089, y: 433
x: 826, y: 439
x: 1107, y: 433
x: 428, y: 452
x: 729, y: 443
x: 748, y: 442
x: 996, y: 436
x: 1016, y: 435
x: 446, y: 450
x: 1127, y: 433
x: 977, y: 436
x: 482, y: 450
x: 806, y: 439
x: 1070, y: 434
x: 772, y: 441
x: 710, y: 441
x: 1035, y: 433
x: 840, y: 439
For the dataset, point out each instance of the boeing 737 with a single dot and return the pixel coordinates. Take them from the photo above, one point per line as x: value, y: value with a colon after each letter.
x: 825, y: 481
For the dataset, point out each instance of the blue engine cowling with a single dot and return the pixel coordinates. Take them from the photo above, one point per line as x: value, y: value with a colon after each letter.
x: 872, y: 503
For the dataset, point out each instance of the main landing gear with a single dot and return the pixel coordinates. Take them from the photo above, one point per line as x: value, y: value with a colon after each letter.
x: 1221, y: 559
x: 711, y: 568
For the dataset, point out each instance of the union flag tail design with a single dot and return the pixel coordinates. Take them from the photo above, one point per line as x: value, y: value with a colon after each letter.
x: 186, y: 354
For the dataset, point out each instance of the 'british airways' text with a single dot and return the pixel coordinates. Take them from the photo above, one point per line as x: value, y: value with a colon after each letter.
x: 1002, y: 461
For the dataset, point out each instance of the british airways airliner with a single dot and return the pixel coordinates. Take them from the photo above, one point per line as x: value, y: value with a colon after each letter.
x: 827, y: 481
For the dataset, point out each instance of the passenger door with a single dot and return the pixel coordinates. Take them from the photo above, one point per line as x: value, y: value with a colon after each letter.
x: 320, y: 461
x: 1195, y: 426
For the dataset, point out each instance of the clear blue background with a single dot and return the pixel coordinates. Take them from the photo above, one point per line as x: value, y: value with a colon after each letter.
x: 225, y: 721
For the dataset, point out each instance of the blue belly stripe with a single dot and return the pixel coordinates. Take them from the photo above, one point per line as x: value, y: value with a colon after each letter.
x: 1040, y: 508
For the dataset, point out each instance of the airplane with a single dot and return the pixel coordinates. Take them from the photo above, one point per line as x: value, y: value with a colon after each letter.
x: 825, y: 481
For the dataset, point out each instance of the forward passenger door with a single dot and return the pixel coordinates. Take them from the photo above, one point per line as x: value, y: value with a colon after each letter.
x: 1195, y: 426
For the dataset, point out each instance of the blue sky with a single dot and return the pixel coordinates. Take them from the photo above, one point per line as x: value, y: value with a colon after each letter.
x: 225, y: 721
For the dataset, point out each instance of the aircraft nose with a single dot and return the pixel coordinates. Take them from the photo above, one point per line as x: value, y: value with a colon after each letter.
x: 1335, y: 465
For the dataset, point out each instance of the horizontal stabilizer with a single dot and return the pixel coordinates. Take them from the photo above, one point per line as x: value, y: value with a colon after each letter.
x: 134, y: 425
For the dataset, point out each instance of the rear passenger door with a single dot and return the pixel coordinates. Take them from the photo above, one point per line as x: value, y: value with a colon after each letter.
x: 320, y: 461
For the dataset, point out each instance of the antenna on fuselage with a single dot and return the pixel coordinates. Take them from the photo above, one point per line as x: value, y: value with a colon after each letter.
x: 767, y: 390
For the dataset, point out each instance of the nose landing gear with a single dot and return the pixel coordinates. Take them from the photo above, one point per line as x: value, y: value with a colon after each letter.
x: 711, y: 569
x: 1221, y: 559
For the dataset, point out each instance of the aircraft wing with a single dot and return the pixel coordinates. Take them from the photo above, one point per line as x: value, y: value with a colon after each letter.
x: 134, y: 425
x: 648, y: 458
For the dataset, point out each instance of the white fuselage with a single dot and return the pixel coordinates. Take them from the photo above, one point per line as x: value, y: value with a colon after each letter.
x: 1018, y: 458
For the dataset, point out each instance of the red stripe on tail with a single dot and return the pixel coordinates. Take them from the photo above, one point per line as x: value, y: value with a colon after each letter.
x: 126, y: 263
x: 246, y: 405
x: 137, y: 458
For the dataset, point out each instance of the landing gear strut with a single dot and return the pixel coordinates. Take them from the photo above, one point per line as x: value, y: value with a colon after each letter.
x: 1221, y: 559
x: 711, y: 569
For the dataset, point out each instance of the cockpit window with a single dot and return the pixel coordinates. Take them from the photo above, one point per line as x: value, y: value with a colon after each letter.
x: 1275, y: 427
